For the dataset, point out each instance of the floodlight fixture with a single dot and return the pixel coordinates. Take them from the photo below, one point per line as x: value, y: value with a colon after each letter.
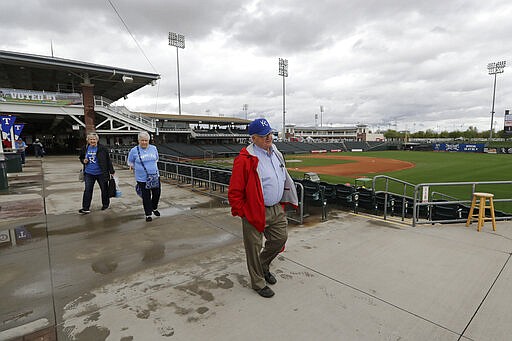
x: 494, y: 69
x: 177, y: 40
x: 498, y: 67
x: 283, y: 67
x: 283, y: 71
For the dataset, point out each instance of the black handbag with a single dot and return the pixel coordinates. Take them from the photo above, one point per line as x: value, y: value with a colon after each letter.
x: 111, y: 188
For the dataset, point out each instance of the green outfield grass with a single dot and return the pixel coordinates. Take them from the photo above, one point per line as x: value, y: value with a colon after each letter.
x: 432, y: 166
x: 437, y: 167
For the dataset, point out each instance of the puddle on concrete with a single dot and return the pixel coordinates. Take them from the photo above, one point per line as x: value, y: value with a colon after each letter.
x: 104, y: 267
x: 213, y: 203
x: 93, y: 333
x: 154, y: 253
x: 25, y: 233
x: 170, y: 211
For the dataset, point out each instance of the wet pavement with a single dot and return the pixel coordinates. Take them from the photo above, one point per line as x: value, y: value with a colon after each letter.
x: 110, y: 275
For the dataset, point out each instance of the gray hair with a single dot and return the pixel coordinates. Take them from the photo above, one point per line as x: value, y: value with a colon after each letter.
x: 92, y: 134
x: 143, y: 134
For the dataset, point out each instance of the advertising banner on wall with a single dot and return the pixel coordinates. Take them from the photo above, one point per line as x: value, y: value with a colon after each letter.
x: 459, y: 147
x: 39, y: 97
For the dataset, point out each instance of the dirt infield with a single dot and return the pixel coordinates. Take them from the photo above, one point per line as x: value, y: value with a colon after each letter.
x: 362, y: 165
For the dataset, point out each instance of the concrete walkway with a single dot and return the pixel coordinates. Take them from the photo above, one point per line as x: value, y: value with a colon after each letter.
x: 110, y: 275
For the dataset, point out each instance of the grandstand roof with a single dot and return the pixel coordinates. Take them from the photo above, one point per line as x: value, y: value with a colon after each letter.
x: 45, y: 73
x: 198, y: 119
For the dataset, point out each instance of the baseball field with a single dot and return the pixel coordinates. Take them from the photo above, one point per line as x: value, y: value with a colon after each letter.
x: 413, y: 167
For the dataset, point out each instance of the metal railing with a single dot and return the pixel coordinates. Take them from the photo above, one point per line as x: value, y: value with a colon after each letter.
x: 419, y: 201
x: 123, y: 111
x: 405, y: 187
x: 416, y: 197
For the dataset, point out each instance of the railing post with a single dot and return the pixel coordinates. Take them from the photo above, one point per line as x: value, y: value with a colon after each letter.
x: 385, y: 198
x: 210, y: 180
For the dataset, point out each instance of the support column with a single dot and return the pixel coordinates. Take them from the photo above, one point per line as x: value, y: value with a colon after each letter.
x: 88, y: 98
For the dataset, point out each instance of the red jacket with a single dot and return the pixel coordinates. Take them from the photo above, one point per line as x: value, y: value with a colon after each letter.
x: 245, y: 194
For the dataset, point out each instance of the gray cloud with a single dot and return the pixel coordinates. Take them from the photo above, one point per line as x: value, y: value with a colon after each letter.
x: 419, y: 63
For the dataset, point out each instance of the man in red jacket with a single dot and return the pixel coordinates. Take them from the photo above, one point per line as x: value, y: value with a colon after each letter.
x: 259, y: 187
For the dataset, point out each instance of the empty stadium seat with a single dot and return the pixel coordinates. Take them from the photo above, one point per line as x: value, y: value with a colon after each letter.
x: 345, y: 195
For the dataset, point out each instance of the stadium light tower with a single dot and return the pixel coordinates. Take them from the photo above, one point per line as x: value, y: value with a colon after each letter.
x: 321, y: 115
x: 283, y: 71
x: 245, y: 107
x: 177, y: 40
x: 494, y: 69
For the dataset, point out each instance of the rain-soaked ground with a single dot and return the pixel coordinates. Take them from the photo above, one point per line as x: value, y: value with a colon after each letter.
x: 110, y: 275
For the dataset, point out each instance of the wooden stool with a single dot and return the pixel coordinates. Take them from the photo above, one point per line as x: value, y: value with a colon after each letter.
x: 482, y: 197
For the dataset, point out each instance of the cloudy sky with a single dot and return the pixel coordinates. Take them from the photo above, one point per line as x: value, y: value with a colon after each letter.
x: 398, y: 64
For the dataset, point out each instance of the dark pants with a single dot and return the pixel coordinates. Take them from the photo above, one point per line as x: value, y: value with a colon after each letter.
x: 89, y: 186
x: 22, y: 154
x: 150, y: 198
x: 38, y: 151
x: 258, y: 260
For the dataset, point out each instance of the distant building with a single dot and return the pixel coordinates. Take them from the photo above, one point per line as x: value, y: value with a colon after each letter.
x: 358, y: 132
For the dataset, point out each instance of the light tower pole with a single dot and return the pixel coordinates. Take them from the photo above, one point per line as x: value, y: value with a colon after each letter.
x: 177, y: 40
x: 283, y: 71
x: 494, y: 69
x: 321, y: 115
x: 245, y: 107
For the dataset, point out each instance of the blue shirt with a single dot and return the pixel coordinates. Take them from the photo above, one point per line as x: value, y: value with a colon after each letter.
x: 150, y: 158
x: 272, y: 175
x: 92, y: 167
x: 20, y: 145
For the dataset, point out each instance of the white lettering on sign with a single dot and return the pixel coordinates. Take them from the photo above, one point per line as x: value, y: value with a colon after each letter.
x: 33, y: 96
x: 424, y: 196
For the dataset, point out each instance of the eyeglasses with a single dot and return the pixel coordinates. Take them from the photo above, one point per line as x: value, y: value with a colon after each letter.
x: 264, y: 136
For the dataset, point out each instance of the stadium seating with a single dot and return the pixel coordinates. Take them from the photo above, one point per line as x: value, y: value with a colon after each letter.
x: 329, y: 192
x: 364, y: 199
x: 345, y: 195
x: 384, y: 201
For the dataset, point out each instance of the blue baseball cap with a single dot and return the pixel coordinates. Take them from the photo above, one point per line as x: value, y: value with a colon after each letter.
x: 259, y: 126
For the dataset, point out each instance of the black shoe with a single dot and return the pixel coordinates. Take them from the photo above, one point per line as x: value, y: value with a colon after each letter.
x: 103, y: 208
x: 155, y: 212
x: 265, y: 292
x: 83, y: 211
x: 148, y: 218
x: 270, y: 278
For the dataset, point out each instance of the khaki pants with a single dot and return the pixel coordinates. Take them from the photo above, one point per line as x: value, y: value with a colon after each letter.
x: 258, y: 260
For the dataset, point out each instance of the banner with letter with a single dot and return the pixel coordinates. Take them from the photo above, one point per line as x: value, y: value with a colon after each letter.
x: 17, y: 130
x: 7, y: 123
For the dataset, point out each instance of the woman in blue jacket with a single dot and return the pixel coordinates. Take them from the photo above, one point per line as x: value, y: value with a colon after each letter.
x: 97, y: 168
x: 143, y: 160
